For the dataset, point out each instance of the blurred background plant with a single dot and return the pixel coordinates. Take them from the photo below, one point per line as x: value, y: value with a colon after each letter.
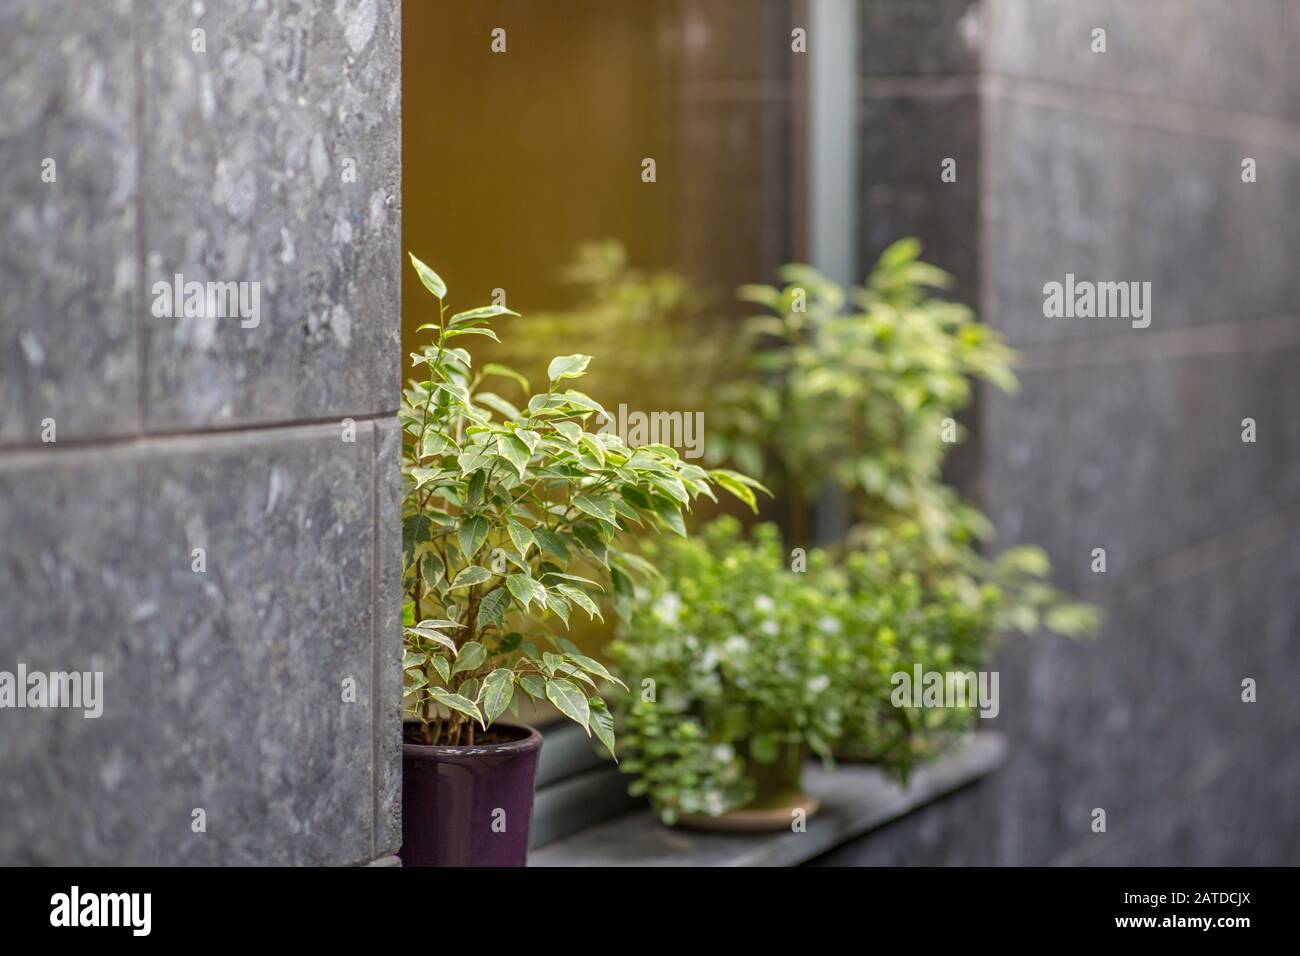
x: 637, y: 322
x: 856, y: 392
x: 850, y: 394
x: 732, y: 659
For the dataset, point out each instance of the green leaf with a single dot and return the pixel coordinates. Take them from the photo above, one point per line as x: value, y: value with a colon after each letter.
x: 492, y: 400
x: 472, y: 655
x: 459, y: 355
x: 514, y: 451
x: 592, y: 666
x: 602, y: 724
x: 428, y: 278
x: 423, y: 476
x: 670, y: 512
x: 1025, y: 559
x: 472, y: 575
x: 456, y: 702
x: 597, y: 450
x: 672, y: 485
x: 530, y: 438
x: 431, y: 568
x: 472, y: 535
x: 559, y: 606
x: 458, y: 332
x: 580, y: 598
x: 498, y: 688
x: 443, y: 667
x: 759, y: 294
x: 526, y: 590
x: 567, y: 366
x: 521, y: 536
x: 437, y: 637
x: 597, y: 507
x: 569, y: 670
x: 492, y: 609
x: 416, y: 530
x: 414, y: 659
x: 474, y: 493
x: 570, y: 430
x: 585, y: 402
x: 572, y: 577
x: 569, y: 700
x: 482, y: 312
x: 900, y: 253
x: 533, y: 686
x: 455, y: 390
x: 435, y: 442
x: 741, y: 478
x: 475, y: 458
x: 551, y: 543
x: 440, y: 623
x: 739, y: 490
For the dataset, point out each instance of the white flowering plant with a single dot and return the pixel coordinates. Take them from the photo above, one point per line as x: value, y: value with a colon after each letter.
x: 732, y: 658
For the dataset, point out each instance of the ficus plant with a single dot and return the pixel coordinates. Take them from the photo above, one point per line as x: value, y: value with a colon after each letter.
x: 858, y: 390
x: 513, y: 516
x: 908, y: 606
x: 856, y: 393
x: 636, y: 320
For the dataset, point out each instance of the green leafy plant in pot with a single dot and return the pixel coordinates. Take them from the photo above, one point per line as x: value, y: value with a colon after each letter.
x: 911, y: 612
x: 733, y: 660
x: 512, y: 518
x: 855, y: 393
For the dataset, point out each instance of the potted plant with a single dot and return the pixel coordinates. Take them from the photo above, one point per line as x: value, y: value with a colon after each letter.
x: 733, y: 656
x: 512, y: 517
x: 908, y: 608
x: 857, y: 391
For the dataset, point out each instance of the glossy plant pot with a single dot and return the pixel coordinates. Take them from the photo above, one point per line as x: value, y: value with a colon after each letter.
x: 469, y: 806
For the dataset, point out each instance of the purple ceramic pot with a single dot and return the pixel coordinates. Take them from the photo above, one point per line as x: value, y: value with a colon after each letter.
x: 469, y: 806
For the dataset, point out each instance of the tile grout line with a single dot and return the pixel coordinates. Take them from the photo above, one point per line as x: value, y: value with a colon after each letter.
x: 1218, y: 338
x: 1217, y: 551
x: 46, y: 452
x: 920, y: 86
x: 376, y: 723
x: 1145, y: 111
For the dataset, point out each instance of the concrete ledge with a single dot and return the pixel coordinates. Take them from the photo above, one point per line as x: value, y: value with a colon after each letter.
x: 581, y: 802
x: 855, y: 800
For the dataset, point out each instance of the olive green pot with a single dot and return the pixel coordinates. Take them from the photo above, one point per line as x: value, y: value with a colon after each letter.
x: 779, y: 799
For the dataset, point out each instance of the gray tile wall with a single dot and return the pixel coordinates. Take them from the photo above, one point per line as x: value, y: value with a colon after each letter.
x: 229, y: 690
x: 918, y: 106
x: 1127, y: 166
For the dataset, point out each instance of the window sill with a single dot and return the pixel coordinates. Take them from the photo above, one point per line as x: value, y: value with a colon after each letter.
x: 855, y: 800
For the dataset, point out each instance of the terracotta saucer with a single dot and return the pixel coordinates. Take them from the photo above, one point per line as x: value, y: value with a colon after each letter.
x: 765, y: 820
